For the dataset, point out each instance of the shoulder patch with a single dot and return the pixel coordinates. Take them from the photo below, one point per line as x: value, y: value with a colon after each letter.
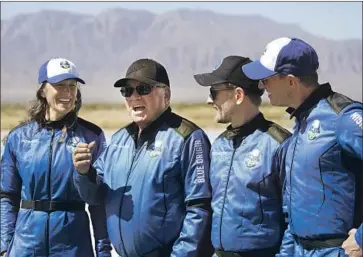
x: 278, y: 133
x: 181, y: 125
x: 338, y: 102
x: 91, y: 126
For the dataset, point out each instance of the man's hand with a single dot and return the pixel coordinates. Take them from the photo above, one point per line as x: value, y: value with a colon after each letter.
x: 82, y: 157
x: 350, y: 246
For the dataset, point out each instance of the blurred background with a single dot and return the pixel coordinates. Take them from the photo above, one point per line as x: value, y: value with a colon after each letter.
x: 104, y: 38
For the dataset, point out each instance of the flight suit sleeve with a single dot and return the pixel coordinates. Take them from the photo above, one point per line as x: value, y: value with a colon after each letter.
x: 90, y: 186
x: 349, y: 135
x: 194, y: 239
x: 349, y: 130
x: 288, y: 243
x: 10, y: 193
x: 358, y: 237
x: 102, y: 242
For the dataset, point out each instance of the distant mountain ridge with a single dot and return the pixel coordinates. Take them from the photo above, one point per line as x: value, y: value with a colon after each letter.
x: 185, y: 41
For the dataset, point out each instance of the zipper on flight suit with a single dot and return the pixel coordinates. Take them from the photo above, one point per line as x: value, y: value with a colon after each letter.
x: 292, y: 162
x: 49, y: 191
x: 234, y: 142
x: 136, y: 152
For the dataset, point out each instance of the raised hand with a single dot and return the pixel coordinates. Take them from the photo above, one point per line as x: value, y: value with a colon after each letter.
x: 82, y: 157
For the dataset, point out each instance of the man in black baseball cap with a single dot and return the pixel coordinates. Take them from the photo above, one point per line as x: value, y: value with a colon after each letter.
x: 246, y: 188
x: 156, y: 173
x: 225, y: 80
x: 146, y: 91
x: 146, y: 71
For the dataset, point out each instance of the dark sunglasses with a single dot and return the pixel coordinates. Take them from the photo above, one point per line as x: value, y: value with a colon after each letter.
x: 141, y: 89
x: 214, y: 91
x: 263, y: 82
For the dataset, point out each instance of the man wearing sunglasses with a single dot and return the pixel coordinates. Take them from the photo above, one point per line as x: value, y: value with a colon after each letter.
x: 246, y: 187
x: 323, y: 159
x: 154, y: 175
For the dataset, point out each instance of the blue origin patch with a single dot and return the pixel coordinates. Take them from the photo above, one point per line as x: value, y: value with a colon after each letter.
x: 199, y: 160
x: 357, y: 119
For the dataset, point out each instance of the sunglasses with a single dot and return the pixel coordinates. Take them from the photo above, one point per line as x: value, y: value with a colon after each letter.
x: 263, y: 82
x: 141, y: 89
x: 214, y: 91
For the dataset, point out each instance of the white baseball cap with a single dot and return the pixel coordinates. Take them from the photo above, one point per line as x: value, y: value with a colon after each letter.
x: 58, y: 69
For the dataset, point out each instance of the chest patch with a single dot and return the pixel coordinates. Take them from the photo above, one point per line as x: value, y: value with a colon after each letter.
x: 72, y: 143
x: 314, y: 130
x: 253, y: 158
x: 156, y: 149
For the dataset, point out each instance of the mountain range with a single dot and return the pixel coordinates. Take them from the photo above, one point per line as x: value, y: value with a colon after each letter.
x: 185, y: 41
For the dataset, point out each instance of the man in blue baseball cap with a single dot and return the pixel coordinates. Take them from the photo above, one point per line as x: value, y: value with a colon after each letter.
x: 323, y: 159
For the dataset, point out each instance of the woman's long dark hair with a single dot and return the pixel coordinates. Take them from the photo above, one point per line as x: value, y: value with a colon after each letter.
x: 38, y: 108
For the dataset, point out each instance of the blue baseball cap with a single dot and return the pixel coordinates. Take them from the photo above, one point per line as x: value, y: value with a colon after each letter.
x: 284, y: 56
x: 58, y: 69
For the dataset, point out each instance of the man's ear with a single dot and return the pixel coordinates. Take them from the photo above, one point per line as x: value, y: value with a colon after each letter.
x: 293, y: 81
x: 239, y: 95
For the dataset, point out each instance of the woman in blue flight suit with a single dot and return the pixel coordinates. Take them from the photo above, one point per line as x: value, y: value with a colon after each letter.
x: 42, y: 213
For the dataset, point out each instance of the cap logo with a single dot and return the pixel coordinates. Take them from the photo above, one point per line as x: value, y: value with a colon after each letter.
x: 65, y: 64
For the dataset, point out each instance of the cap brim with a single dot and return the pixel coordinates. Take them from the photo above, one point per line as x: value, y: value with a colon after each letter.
x: 208, y: 79
x: 61, y: 77
x: 256, y: 71
x: 122, y: 82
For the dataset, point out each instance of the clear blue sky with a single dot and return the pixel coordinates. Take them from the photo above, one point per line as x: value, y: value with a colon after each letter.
x: 334, y: 20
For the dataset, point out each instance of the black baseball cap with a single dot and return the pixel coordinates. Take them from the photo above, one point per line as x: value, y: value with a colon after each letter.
x: 146, y: 71
x: 230, y: 71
